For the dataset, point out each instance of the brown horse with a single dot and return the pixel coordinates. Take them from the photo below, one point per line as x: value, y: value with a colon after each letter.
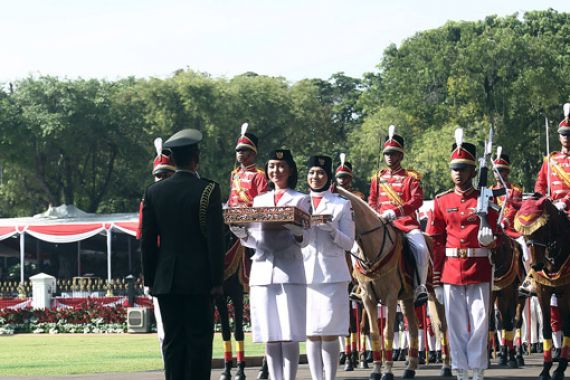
x: 547, y: 234
x: 505, y: 297
x: 379, y: 270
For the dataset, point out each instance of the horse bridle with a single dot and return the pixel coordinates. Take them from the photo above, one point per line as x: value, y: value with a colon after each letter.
x: 364, y: 262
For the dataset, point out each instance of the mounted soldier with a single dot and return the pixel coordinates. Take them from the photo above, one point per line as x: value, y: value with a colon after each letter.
x: 246, y: 182
x: 396, y: 194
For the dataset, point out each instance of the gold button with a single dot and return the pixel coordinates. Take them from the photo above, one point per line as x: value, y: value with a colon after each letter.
x: 462, y: 226
x: 463, y: 201
x: 462, y: 240
x: 462, y: 213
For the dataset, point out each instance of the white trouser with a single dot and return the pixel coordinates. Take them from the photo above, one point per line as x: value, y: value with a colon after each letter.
x: 534, y: 326
x: 467, y: 314
x: 524, y: 249
x: 158, y: 319
x: 421, y: 253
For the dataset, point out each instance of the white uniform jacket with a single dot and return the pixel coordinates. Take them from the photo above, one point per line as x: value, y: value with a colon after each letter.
x: 324, y: 257
x: 278, y: 258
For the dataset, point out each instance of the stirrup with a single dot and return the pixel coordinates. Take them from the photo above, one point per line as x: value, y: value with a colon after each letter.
x: 526, y: 289
x: 420, y: 295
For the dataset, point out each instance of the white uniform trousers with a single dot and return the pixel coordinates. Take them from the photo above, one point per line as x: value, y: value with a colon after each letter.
x: 421, y: 253
x: 158, y: 319
x: 467, y: 314
x: 532, y: 329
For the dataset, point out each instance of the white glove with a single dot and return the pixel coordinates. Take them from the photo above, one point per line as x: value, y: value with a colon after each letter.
x: 327, y: 226
x: 239, y: 232
x: 439, y: 294
x: 560, y: 205
x: 146, y: 291
x: 295, y: 229
x: 485, y: 236
x: 389, y: 215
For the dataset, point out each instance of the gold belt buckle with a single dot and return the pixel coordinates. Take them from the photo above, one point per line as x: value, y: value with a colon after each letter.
x: 462, y: 252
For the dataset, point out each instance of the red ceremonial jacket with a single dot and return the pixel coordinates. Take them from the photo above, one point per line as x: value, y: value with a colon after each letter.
x: 514, y: 201
x: 400, y: 191
x: 454, y: 224
x: 245, y: 185
x: 559, y: 178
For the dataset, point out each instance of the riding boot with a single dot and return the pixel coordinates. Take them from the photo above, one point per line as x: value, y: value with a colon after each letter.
x: 227, y: 374
x: 369, y: 357
x: 403, y: 355
x: 534, y: 348
x: 263, y: 373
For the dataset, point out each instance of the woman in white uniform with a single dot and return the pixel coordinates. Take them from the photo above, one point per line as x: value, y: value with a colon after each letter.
x: 277, y: 279
x: 326, y: 271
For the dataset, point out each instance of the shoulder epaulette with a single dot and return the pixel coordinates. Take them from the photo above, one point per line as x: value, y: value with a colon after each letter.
x: 261, y: 171
x: 235, y: 170
x: 380, y: 172
x: 414, y: 173
x: 444, y: 193
x: 517, y: 187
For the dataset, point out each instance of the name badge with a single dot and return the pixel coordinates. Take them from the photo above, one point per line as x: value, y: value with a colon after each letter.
x: 452, y: 209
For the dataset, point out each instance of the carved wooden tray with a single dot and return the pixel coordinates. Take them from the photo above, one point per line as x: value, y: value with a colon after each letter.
x: 267, y: 217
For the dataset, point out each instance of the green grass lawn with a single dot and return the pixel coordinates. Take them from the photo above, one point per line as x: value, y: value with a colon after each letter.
x: 68, y: 354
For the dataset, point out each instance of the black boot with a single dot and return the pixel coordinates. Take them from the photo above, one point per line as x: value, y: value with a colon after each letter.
x: 403, y: 355
x: 534, y: 348
x: 369, y: 357
x: 354, y: 358
x: 348, y: 366
x: 395, y: 354
x: 432, y: 357
x: 421, y: 357
x: 240, y: 374
x: 342, y: 359
x: 227, y: 373
x: 263, y: 373
x: 439, y: 357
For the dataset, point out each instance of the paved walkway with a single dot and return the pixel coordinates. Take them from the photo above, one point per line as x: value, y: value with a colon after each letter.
x: 529, y: 371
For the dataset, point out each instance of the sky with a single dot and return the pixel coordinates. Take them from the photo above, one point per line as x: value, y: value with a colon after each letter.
x: 296, y: 39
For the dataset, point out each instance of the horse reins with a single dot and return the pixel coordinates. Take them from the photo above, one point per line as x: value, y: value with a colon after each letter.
x: 364, y: 262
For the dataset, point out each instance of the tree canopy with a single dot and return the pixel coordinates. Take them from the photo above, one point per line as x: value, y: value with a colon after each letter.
x: 89, y: 142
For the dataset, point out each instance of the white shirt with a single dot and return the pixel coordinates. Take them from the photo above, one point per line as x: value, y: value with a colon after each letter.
x: 324, y: 257
x: 278, y: 258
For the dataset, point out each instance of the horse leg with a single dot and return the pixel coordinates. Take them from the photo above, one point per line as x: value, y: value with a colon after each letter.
x: 564, y: 305
x: 544, y: 296
x: 222, y: 305
x: 364, y: 332
x: 437, y: 318
x: 410, y: 313
x: 389, y: 340
x: 372, y: 311
x: 507, y: 306
x: 521, y: 302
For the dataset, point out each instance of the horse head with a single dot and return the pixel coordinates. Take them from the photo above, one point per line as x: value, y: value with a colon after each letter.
x: 546, y: 231
x: 373, y: 233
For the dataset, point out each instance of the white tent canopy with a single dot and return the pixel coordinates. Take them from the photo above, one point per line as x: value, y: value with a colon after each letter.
x: 67, y: 224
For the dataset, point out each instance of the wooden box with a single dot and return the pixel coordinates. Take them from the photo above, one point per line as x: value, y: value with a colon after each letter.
x: 267, y: 217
